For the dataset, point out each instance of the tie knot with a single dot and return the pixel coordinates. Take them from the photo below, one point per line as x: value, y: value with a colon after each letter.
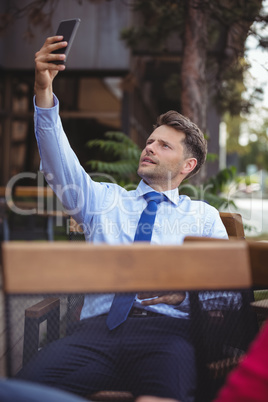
x: 154, y: 196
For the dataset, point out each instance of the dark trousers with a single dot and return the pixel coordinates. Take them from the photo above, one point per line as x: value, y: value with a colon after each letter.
x: 147, y: 356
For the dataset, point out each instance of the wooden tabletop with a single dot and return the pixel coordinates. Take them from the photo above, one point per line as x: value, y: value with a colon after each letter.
x: 83, y: 267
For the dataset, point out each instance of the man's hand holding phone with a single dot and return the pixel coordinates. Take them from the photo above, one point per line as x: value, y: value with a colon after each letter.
x: 46, y: 59
x: 46, y: 70
x: 51, y: 59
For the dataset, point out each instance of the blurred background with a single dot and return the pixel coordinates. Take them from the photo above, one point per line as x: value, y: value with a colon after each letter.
x: 130, y: 61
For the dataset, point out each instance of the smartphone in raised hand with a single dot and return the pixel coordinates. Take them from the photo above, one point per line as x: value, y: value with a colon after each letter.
x: 68, y: 29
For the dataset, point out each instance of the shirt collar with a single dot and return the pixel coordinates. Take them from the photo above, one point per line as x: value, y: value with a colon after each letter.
x: 172, y: 195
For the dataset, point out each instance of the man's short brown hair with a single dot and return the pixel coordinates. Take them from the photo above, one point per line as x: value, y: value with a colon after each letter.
x: 195, y: 144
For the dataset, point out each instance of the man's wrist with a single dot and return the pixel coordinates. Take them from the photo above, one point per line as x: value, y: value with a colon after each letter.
x: 44, y: 97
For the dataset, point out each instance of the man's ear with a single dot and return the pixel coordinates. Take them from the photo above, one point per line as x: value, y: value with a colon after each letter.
x: 189, y: 165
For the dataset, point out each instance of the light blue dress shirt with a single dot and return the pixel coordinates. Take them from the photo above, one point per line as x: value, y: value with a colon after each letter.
x: 109, y: 213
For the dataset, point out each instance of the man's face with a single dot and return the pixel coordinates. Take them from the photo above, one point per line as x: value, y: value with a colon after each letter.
x: 163, y: 162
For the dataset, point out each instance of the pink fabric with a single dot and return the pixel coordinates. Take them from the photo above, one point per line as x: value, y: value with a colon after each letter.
x: 249, y: 381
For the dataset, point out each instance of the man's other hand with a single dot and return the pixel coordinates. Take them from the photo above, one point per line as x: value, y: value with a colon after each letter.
x: 173, y: 298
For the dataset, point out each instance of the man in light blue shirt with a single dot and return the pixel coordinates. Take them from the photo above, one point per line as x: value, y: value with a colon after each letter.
x: 108, y: 213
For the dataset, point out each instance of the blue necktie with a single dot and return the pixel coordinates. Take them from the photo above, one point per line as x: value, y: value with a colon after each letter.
x: 122, y: 303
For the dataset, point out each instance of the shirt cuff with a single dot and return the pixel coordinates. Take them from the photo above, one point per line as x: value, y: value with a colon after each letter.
x: 46, y: 117
x: 55, y: 101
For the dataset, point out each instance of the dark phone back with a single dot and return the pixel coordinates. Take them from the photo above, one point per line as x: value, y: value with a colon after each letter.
x: 67, y: 29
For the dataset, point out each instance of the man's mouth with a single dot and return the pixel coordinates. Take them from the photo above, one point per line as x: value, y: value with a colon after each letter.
x: 148, y: 160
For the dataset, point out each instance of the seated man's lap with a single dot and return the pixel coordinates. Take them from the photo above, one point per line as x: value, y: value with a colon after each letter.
x: 147, y: 356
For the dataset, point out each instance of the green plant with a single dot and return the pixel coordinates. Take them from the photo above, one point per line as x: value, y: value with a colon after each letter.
x: 121, y: 156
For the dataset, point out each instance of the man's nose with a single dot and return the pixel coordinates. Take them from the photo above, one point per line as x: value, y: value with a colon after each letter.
x: 150, y: 149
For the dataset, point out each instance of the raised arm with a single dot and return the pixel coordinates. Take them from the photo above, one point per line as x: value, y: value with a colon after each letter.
x: 59, y: 164
x: 46, y: 70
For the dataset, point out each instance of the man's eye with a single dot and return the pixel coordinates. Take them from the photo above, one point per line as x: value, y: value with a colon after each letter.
x: 165, y: 145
